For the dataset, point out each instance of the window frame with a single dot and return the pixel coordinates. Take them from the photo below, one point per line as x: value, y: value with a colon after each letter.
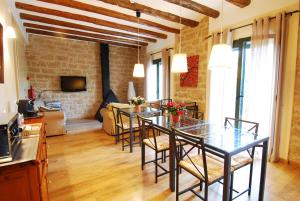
x: 241, y: 45
x: 157, y: 62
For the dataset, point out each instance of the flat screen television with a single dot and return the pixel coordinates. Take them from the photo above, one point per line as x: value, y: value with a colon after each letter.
x: 73, y: 83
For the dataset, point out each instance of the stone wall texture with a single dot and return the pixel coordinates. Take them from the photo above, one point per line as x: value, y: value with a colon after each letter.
x: 193, y: 42
x: 294, y: 152
x: 48, y: 58
x: 122, y: 60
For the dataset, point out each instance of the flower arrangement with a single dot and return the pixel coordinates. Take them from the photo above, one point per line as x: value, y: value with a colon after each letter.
x: 137, y: 100
x: 176, y: 109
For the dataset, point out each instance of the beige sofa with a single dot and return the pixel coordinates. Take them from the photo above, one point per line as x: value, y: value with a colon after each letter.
x: 108, y: 124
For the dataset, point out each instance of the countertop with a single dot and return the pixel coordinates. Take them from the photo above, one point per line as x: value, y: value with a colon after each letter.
x: 27, y: 150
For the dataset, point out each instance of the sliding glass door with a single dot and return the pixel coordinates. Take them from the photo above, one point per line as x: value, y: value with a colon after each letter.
x: 228, y: 91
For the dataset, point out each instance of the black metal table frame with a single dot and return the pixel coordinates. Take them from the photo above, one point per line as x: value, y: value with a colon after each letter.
x: 227, y: 164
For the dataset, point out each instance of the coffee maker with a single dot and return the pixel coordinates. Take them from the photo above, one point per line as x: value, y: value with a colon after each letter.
x: 26, y: 107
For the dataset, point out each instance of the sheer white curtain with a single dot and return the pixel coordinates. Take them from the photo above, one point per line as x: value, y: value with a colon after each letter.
x: 222, y: 93
x: 265, y: 78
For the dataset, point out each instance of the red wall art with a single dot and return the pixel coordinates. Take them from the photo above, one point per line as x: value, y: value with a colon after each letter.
x: 190, y: 79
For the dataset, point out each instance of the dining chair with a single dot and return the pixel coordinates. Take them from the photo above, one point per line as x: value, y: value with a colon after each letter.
x: 206, y: 169
x: 192, y: 110
x: 116, y: 123
x: 124, y: 127
x: 155, y: 140
x: 163, y: 104
x: 245, y: 158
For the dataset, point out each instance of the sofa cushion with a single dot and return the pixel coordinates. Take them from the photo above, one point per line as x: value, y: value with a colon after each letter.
x: 53, y: 104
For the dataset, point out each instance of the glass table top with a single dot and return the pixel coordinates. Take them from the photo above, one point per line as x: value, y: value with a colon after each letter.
x: 145, y: 111
x: 225, y: 139
x: 165, y: 122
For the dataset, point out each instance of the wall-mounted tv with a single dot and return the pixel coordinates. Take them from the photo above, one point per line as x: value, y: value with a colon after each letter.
x: 73, y: 83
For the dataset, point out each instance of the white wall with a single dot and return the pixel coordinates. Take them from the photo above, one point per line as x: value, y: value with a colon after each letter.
x: 9, y: 90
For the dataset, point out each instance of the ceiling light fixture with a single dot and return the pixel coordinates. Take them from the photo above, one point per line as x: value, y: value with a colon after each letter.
x: 179, y: 61
x: 221, y: 54
x: 138, y: 70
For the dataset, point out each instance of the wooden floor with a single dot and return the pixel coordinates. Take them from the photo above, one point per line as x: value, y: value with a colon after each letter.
x: 90, y: 167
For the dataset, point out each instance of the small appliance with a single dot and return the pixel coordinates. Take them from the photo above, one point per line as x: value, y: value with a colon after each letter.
x: 26, y: 107
x: 10, y: 136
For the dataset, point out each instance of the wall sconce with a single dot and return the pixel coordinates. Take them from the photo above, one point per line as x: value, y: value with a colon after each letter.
x: 10, y: 32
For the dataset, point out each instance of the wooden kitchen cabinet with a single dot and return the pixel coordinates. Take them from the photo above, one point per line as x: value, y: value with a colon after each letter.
x: 25, y: 178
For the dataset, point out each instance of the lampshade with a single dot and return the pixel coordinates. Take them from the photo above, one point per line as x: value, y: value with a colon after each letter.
x: 138, y: 70
x: 179, y: 63
x: 10, y: 32
x: 220, y: 56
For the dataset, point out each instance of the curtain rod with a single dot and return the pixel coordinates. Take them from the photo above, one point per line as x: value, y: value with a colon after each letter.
x: 171, y: 48
x: 250, y: 24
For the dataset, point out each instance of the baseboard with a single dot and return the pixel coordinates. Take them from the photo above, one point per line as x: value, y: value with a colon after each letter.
x: 288, y: 162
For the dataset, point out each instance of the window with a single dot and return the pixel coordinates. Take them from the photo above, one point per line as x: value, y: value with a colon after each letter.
x: 242, y: 52
x: 155, y: 86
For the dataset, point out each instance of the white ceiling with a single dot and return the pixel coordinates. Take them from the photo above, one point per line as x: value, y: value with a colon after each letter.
x: 157, y: 4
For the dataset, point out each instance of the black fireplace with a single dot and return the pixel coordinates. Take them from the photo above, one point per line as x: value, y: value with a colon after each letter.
x: 107, y: 94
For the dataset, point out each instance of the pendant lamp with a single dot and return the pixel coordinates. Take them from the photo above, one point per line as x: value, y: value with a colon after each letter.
x: 138, y: 70
x: 179, y: 61
x: 221, y: 54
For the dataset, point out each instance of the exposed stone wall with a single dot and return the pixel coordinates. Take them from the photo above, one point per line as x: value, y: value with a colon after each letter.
x: 122, y: 60
x: 294, y: 153
x: 193, y: 42
x: 48, y: 58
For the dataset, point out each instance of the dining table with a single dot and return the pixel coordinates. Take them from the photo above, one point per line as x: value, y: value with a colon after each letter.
x: 132, y: 113
x: 219, y: 139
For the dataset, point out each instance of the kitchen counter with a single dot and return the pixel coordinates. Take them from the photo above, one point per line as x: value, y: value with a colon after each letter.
x: 27, y: 150
x: 29, y: 169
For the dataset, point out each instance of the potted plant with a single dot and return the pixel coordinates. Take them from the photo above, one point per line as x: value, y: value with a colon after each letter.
x: 137, y: 101
x: 176, y: 110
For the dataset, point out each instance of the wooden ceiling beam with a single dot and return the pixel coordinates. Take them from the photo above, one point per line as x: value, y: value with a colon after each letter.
x: 45, y: 20
x: 110, y: 13
x: 192, y: 5
x: 152, y: 12
x: 88, y: 19
x: 67, y: 36
x: 81, y: 33
x: 240, y: 3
